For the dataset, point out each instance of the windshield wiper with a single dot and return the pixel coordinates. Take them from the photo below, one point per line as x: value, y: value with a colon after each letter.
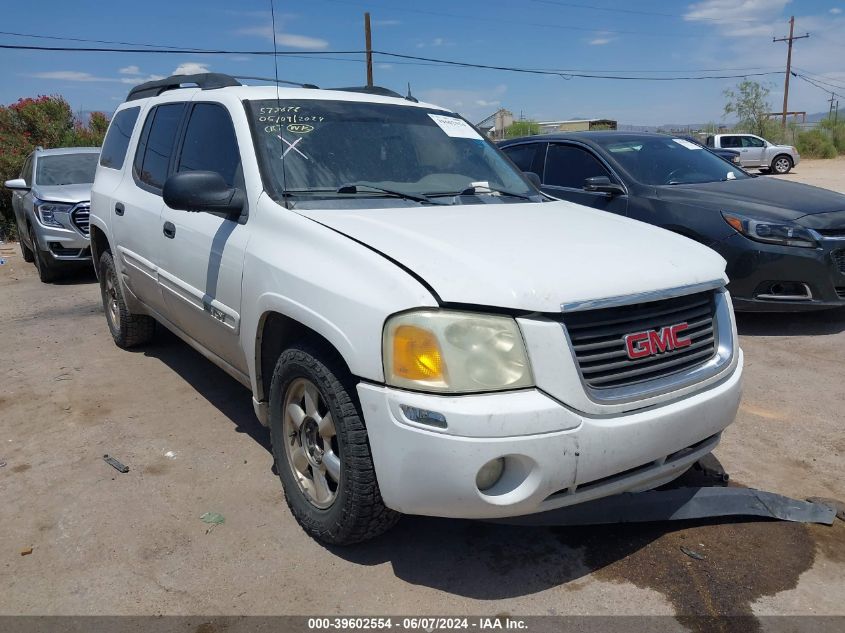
x: 474, y: 190
x: 353, y: 188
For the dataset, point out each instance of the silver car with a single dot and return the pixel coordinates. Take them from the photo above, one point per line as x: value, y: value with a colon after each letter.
x: 51, y: 204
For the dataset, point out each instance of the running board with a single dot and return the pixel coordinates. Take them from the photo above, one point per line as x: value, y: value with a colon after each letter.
x: 681, y: 504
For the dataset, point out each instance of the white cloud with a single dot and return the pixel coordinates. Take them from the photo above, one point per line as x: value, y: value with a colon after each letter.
x: 130, y: 70
x: 69, y: 75
x: 836, y: 10
x: 435, y: 43
x: 190, y: 68
x: 138, y: 79
x: 387, y: 22
x: 291, y: 40
x: 739, y: 19
x: 384, y: 66
x: 487, y: 104
x: 600, y: 41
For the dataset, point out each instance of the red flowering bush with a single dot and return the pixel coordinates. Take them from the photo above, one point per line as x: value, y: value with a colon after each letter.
x: 47, y: 121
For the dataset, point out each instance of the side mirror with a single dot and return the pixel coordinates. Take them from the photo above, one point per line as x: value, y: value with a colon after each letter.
x: 17, y: 184
x: 202, y: 191
x: 603, y: 184
x: 533, y: 178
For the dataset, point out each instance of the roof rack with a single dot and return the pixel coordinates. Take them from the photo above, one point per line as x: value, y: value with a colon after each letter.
x: 278, y: 81
x: 205, y: 81
x: 371, y: 90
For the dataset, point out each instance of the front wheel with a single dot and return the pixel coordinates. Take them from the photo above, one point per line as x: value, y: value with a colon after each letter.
x: 46, y: 270
x: 782, y: 164
x: 322, y: 452
x: 26, y: 251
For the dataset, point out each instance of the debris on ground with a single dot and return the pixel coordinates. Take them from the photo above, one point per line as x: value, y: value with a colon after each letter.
x: 692, y: 553
x: 118, y: 466
x: 26, y: 551
x: 170, y: 455
x: 2, y: 463
x: 834, y: 504
x: 213, y: 519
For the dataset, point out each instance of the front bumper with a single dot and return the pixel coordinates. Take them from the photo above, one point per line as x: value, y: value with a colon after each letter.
x: 753, y: 266
x: 554, y: 456
x: 62, y: 244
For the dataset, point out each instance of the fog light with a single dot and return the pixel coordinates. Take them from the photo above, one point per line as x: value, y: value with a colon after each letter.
x: 490, y: 473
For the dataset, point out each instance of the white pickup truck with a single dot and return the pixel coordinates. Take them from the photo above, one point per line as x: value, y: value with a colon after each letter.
x: 756, y: 152
x: 421, y: 329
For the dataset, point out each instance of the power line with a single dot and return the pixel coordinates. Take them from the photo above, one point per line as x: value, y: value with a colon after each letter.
x: 565, y: 74
x: 819, y: 86
x: 80, y: 39
x: 820, y: 78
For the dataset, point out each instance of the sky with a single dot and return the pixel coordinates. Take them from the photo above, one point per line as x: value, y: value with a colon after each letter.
x: 643, y: 38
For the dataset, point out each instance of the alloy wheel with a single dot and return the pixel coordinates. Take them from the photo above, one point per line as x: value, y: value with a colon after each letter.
x: 311, y: 445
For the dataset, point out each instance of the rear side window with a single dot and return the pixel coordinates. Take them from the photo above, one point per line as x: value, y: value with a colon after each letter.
x: 152, y: 160
x: 570, y: 166
x: 117, y: 138
x: 731, y: 141
x: 210, y: 144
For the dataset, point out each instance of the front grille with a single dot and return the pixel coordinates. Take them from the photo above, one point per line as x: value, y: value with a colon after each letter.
x: 598, y: 339
x: 840, y: 291
x: 80, y: 217
x: 839, y: 258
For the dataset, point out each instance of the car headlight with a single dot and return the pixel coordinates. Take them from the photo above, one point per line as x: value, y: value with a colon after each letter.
x: 446, y: 351
x: 783, y: 233
x: 47, y: 210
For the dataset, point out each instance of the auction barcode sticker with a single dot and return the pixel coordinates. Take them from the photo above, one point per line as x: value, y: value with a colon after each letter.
x: 454, y: 127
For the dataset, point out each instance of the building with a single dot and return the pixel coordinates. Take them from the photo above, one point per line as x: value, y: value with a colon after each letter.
x: 576, y: 125
x: 494, y: 126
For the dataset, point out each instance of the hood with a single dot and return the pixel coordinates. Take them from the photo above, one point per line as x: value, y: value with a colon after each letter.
x: 764, y: 196
x: 527, y: 256
x: 63, y: 193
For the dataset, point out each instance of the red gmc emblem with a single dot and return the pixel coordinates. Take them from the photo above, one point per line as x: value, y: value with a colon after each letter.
x: 651, y: 342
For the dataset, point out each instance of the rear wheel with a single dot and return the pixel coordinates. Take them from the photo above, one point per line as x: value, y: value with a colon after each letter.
x: 782, y: 164
x: 322, y: 452
x: 127, y: 329
x: 46, y: 270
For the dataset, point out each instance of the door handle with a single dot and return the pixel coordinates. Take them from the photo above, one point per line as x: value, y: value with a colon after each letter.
x: 119, y: 208
x: 169, y: 230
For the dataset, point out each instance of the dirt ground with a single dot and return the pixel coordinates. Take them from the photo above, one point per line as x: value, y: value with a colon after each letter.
x: 829, y: 173
x: 109, y: 543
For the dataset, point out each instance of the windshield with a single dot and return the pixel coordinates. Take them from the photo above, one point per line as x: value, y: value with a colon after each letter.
x: 382, y: 149
x: 66, y: 169
x: 669, y: 161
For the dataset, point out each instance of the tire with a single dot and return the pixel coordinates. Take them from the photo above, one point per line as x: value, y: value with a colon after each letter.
x: 308, y: 452
x: 26, y: 251
x: 781, y: 164
x: 46, y: 271
x: 127, y: 329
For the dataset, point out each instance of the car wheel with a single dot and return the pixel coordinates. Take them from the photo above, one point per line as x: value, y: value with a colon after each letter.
x: 26, y: 251
x: 322, y: 452
x: 782, y: 164
x: 46, y: 271
x: 127, y: 329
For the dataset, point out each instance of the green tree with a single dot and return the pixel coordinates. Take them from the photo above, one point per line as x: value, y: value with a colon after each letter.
x: 749, y: 102
x: 522, y: 128
x: 47, y: 121
x: 835, y: 127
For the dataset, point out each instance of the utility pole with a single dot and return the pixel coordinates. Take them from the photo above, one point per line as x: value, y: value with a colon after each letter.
x: 830, y: 110
x: 789, y: 41
x: 368, y: 40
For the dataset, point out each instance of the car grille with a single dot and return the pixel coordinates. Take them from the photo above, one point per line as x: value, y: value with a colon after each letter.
x: 80, y: 217
x: 840, y: 291
x: 598, y: 339
x: 839, y: 258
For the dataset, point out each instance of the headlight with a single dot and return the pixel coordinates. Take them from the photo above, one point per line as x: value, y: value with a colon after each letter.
x: 46, y: 211
x: 433, y: 350
x: 771, y: 232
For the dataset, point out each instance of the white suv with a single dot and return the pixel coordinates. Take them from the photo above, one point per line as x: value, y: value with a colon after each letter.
x: 421, y: 329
